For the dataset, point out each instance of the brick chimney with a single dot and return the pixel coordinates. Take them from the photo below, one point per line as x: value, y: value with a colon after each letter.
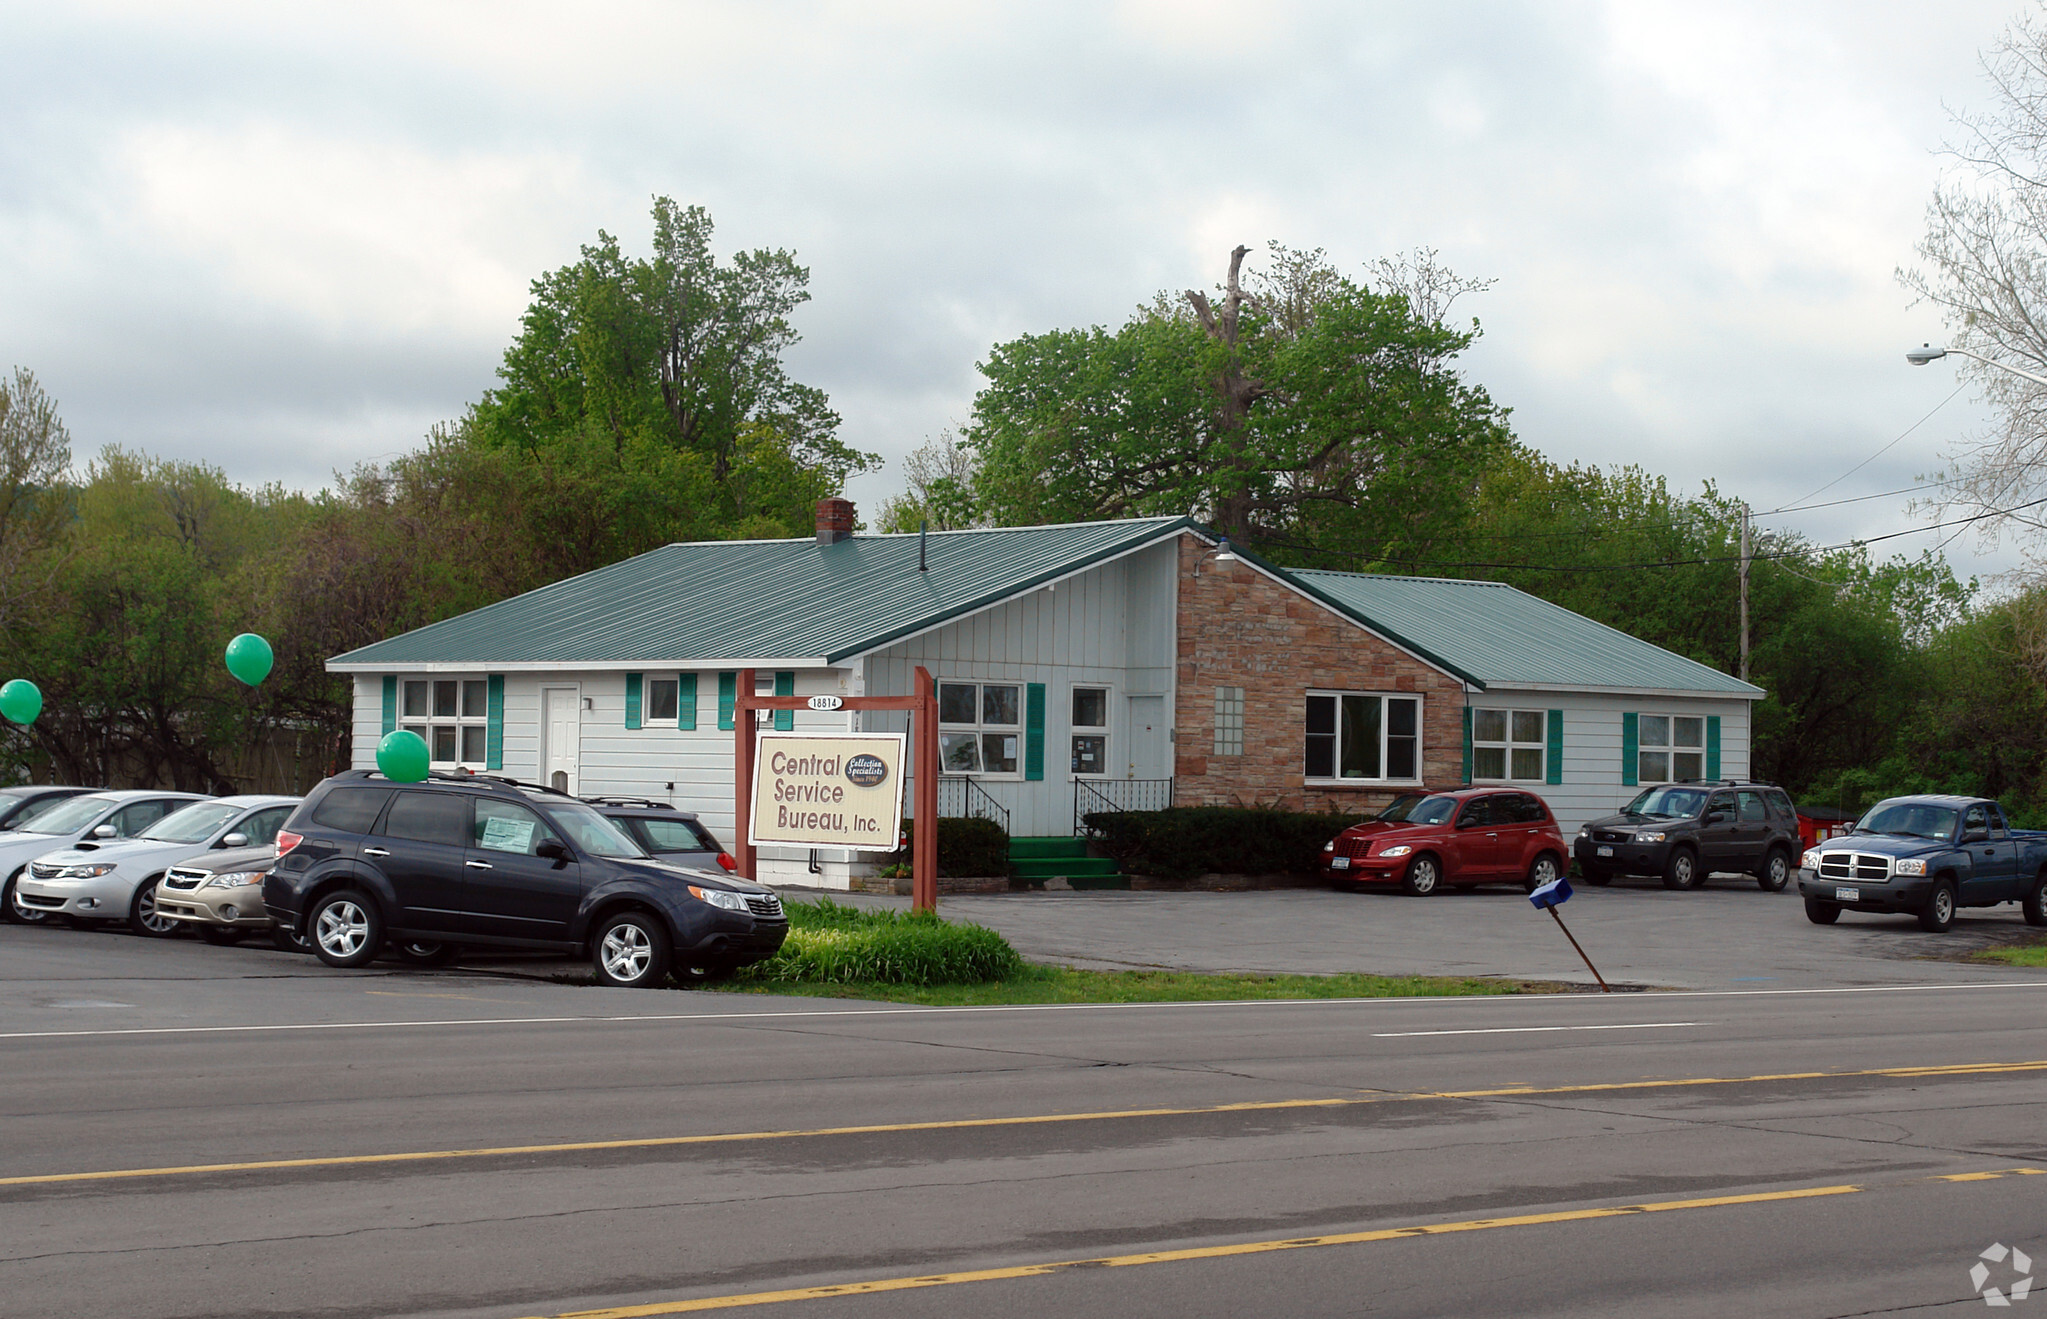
x: 834, y: 521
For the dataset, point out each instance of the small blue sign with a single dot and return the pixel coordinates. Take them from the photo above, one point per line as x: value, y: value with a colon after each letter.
x: 1553, y: 894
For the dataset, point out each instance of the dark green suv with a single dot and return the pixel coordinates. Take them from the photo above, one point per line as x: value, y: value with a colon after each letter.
x: 1684, y: 832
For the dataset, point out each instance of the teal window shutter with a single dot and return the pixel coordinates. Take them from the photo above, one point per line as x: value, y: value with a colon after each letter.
x: 686, y: 701
x: 785, y: 685
x: 1467, y: 744
x: 1631, y: 749
x: 728, y: 696
x: 632, y: 700
x: 390, y: 703
x: 1553, y: 760
x: 1712, y: 746
x: 494, y: 730
x: 1034, y: 731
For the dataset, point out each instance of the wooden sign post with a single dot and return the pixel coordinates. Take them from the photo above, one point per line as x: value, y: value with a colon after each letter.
x: 922, y: 705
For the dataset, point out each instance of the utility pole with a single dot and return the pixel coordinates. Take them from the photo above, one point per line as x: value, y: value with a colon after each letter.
x: 1744, y: 591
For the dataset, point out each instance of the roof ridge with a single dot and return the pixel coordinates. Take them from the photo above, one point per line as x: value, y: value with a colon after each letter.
x: 950, y: 531
x: 1405, y: 577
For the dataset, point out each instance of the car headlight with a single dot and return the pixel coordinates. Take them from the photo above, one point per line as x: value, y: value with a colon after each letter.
x: 83, y: 872
x: 1586, y: 832
x: 719, y: 897
x: 1329, y: 846
x: 1401, y: 850
x: 1810, y: 861
x: 1911, y: 866
x: 1655, y: 837
x: 235, y: 880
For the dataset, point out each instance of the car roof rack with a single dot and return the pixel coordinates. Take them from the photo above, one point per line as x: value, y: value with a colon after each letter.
x: 500, y: 781
x: 638, y: 803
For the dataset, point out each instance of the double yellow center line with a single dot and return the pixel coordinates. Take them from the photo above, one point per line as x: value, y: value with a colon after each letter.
x: 875, y: 1286
x: 1026, y: 1120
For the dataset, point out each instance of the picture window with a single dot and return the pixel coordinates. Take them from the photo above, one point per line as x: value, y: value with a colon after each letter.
x: 980, y: 727
x: 1364, y: 736
x: 662, y: 699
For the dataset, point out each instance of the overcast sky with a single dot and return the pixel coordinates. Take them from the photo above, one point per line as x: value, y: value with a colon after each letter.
x: 285, y: 241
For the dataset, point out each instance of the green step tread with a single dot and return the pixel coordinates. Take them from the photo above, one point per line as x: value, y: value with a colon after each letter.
x: 1047, y: 847
x: 1031, y: 867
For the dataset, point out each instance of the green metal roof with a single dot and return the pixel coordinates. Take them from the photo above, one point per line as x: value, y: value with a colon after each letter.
x: 760, y: 600
x: 1501, y: 636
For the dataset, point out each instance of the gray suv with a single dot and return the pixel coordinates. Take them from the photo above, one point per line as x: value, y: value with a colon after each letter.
x: 1684, y: 832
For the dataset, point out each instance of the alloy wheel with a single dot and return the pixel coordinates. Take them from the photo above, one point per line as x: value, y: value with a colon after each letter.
x: 148, y: 917
x: 343, y: 927
x: 626, y: 951
x: 1544, y: 871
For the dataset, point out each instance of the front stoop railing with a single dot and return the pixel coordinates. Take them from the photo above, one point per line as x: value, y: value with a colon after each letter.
x: 961, y: 798
x: 1097, y: 796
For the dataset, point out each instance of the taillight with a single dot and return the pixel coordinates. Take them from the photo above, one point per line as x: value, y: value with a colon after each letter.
x: 287, y: 841
x: 726, y: 860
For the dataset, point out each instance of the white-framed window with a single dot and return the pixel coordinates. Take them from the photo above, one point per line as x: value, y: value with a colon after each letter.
x: 1508, y: 745
x: 1670, y: 747
x: 980, y: 728
x: 1090, y: 731
x: 451, y: 714
x: 1371, y: 737
x: 664, y: 698
x: 1229, y: 721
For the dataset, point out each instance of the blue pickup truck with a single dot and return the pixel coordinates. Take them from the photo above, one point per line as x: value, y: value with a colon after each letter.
x: 1927, y: 856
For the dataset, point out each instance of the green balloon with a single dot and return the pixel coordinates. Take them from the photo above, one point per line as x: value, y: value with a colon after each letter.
x: 249, y: 658
x: 403, y: 757
x: 21, y: 701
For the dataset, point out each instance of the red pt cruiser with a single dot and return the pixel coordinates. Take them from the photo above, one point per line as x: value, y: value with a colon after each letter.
x: 1472, y: 836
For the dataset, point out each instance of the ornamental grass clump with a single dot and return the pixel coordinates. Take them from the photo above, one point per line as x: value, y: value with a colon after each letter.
x: 833, y: 944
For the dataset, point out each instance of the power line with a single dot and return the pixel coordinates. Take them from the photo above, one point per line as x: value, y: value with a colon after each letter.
x: 1799, y: 553
x: 1886, y: 449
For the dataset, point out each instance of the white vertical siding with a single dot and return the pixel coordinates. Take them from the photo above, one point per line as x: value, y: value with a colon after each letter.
x: 1592, y: 784
x: 1111, y: 626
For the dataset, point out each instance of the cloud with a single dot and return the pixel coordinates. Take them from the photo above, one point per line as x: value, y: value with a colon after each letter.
x: 287, y: 240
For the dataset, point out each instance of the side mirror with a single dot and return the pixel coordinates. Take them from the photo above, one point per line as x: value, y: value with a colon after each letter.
x: 1467, y: 823
x: 552, y: 850
x: 1716, y: 817
x: 1975, y: 835
x: 236, y: 839
x: 106, y: 831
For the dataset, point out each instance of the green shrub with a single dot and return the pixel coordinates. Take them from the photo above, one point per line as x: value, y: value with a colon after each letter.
x: 833, y: 944
x: 968, y: 848
x: 1185, y: 841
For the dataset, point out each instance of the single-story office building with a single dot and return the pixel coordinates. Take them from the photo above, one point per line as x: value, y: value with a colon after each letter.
x: 1090, y: 666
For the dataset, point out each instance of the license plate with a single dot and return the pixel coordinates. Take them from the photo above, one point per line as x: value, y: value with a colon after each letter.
x: 1847, y: 895
x: 1339, y: 863
x: 1606, y: 851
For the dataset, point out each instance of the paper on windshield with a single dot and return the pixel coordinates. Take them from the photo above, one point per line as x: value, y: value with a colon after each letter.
x: 502, y: 835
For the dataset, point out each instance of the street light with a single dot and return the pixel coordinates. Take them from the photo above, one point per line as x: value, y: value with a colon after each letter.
x: 1925, y: 353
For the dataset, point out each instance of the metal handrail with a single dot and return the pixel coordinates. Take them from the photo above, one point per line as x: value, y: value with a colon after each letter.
x: 961, y: 798
x: 1100, y: 796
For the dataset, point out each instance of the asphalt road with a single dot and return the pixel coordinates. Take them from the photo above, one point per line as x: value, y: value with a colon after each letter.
x: 453, y: 1143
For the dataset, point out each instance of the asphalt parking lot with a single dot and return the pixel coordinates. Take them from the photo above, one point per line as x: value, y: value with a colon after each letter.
x: 1728, y: 934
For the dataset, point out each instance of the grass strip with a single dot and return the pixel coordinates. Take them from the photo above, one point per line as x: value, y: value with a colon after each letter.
x: 2034, y: 955
x: 1063, y: 984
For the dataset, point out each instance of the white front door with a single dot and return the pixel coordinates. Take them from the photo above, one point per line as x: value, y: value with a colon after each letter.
x: 561, y: 722
x: 1148, y: 738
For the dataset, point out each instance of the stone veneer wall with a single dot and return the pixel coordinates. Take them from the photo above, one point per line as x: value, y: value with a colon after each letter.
x: 1239, y: 628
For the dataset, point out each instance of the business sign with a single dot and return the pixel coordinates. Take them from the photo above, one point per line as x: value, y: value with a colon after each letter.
x: 828, y: 790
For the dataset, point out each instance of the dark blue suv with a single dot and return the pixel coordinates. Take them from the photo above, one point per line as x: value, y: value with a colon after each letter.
x: 428, y: 868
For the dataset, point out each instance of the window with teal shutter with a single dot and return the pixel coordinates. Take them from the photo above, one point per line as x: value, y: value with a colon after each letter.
x: 390, y: 703
x: 494, y: 724
x: 686, y: 701
x: 785, y: 685
x: 728, y: 697
x: 1712, y: 746
x: 632, y: 700
x: 1553, y: 763
x: 1631, y: 748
